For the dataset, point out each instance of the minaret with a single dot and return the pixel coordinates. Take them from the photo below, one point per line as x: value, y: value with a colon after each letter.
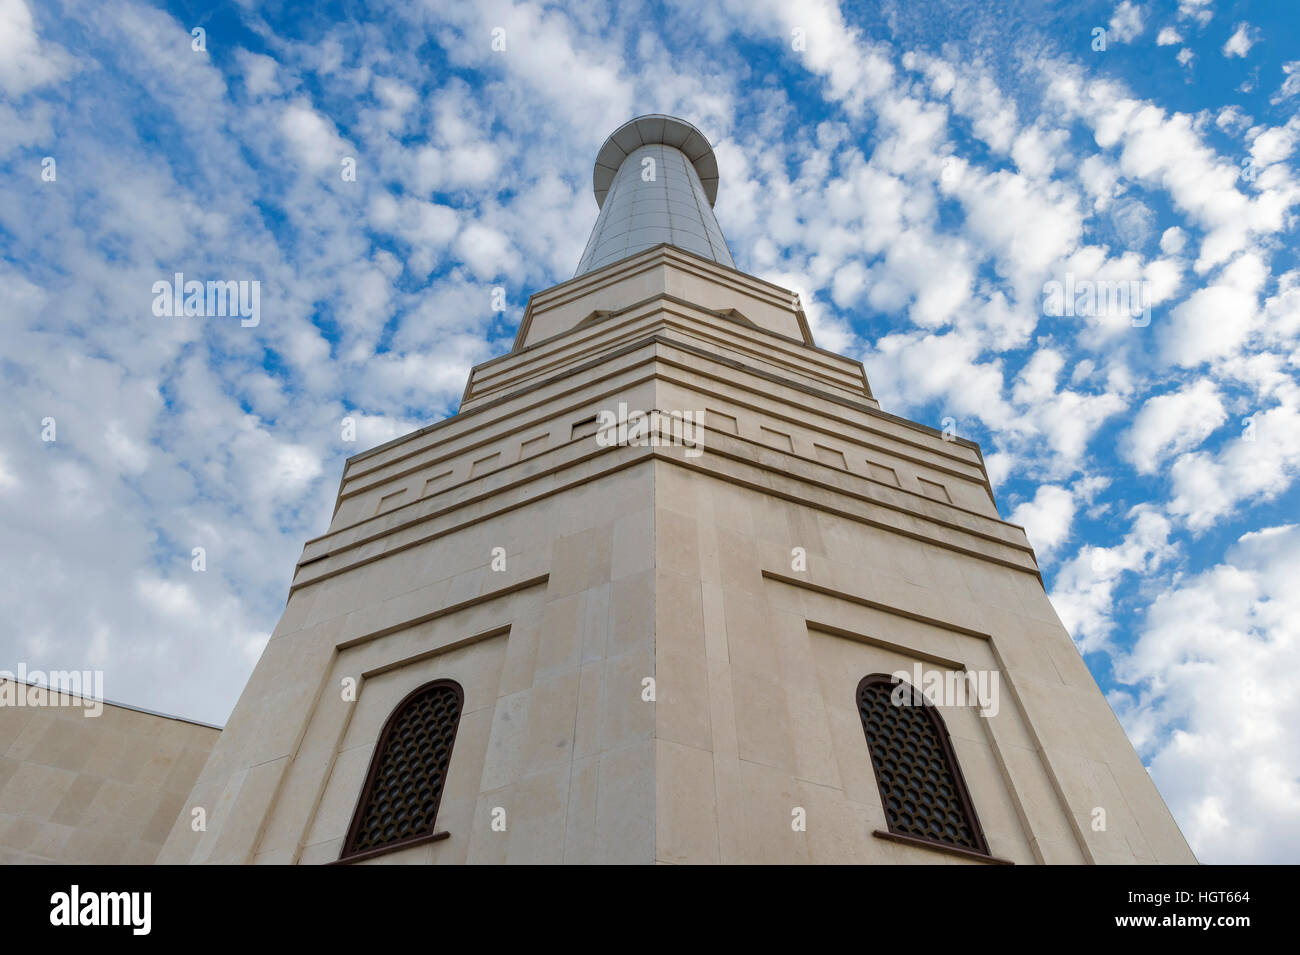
x: 670, y: 587
x: 655, y: 180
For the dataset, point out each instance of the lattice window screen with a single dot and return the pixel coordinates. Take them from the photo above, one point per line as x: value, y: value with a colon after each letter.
x: 399, y: 803
x: 920, y: 782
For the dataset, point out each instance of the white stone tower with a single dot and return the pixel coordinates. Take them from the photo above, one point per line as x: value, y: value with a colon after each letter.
x: 550, y: 630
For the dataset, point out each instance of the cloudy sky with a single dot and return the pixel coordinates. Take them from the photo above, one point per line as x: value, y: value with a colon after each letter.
x: 920, y: 170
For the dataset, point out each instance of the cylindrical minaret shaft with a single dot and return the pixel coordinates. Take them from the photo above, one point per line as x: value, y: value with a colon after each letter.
x: 655, y: 181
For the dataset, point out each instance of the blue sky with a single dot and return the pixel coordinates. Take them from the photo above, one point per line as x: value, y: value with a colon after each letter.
x: 918, y: 171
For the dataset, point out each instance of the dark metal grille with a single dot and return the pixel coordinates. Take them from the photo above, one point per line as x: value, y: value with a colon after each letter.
x: 404, y: 785
x: 920, y: 782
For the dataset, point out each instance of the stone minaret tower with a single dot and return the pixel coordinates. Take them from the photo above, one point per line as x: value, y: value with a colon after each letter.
x: 648, y: 597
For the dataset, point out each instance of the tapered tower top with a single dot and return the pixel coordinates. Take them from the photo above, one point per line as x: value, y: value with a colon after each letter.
x: 655, y: 180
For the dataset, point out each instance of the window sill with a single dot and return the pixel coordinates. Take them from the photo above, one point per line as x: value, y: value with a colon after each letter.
x: 394, y: 847
x: 940, y: 847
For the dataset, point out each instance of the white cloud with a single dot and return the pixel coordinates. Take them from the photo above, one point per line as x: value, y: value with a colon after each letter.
x: 1259, y: 464
x: 1173, y: 423
x: 1215, y: 321
x: 261, y: 73
x: 1026, y: 225
x: 169, y: 598
x: 1269, y: 145
x: 569, y: 72
x: 1240, y: 42
x: 1046, y: 519
x: 1199, y: 11
x: 1232, y: 119
x: 1069, y: 419
x: 8, y: 480
x: 854, y: 70
x: 1126, y: 23
x: 486, y: 250
x: 1168, y: 151
x: 975, y: 96
x: 1172, y: 240
x: 373, y: 430
x: 1084, y: 590
x: 1215, y: 706
x: 26, y: 63
x: 1168, y: 36
x: 1291, y: 85
x: 312, y: 137
x: 1282, y: 311
x: 925, y: 367
x: 430, y: 227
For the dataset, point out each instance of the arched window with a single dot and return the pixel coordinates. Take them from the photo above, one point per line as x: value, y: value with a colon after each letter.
x: 399, y: 802
x: 920, y: 782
